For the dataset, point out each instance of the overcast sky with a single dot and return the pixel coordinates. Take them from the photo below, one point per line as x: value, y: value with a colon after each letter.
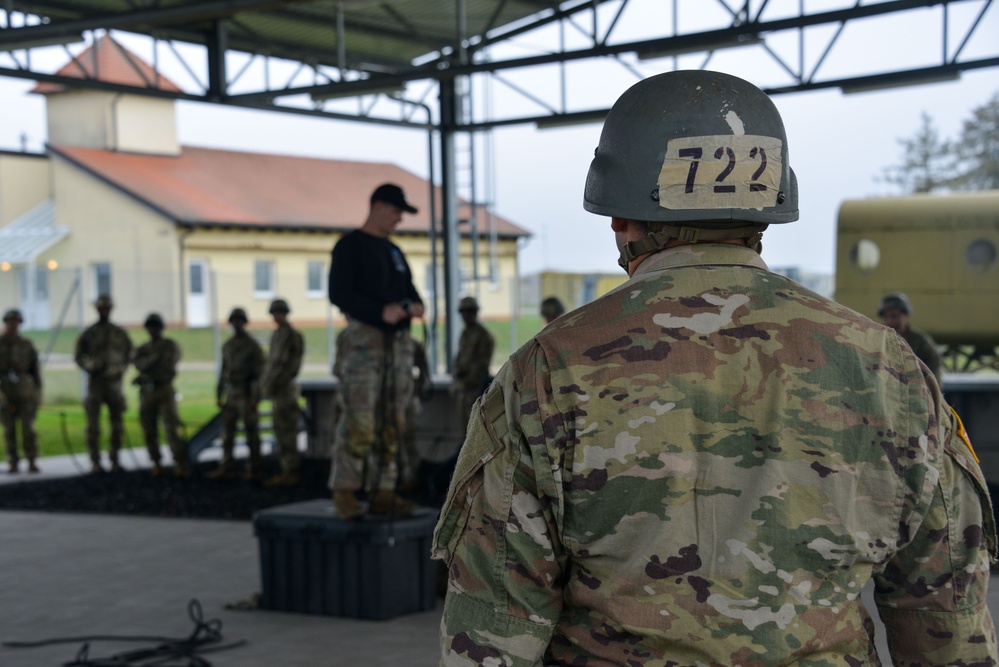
x: 838, y: 144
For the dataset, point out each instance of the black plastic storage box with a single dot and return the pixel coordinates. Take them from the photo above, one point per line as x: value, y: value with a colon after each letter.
x: 312, y: 561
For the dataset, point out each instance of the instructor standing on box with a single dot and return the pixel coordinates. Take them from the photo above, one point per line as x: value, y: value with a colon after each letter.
x: 371, y: 283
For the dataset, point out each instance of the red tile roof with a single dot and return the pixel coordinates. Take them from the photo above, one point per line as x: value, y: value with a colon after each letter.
x: 109, y: 61
x: 204, y: 186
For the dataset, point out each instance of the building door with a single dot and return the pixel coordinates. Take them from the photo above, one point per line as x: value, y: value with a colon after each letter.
x: 198, y: 306
x: 33, y: 293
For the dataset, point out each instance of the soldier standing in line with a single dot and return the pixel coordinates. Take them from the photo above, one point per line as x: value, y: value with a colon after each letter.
x: 707, y: 464
x: 157, y: 362
x: 551, y: 308
x: 237, y: 394
x: 20, y: 391
x: 284, y: 360
x: 894, y: 311
x: 104, y: 352
x: 471, y: 365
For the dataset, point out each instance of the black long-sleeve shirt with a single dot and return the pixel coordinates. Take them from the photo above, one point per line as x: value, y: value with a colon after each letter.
x: 366, y: 273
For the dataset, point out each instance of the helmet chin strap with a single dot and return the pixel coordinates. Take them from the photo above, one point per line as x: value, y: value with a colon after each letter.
x: 658, y: 240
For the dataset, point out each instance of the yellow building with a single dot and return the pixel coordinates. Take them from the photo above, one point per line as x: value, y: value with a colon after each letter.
x: 117, y: 205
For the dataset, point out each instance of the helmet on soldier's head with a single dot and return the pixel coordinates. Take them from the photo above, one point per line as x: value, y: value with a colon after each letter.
x: 13, y: 314
x: 153, y: 320
x: 238, y: 314
x: 279, y: 306
x: 551, y: 308
x: 895, y: 300
x: 695, y: 147
x: 468, y: 303
x: 103, y: 301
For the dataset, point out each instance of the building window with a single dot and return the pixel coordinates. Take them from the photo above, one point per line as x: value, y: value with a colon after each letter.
x: 263, y: 280
x: 315, y: 273
x: 102, y: 279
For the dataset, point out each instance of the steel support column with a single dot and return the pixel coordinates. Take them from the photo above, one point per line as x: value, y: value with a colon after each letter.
x: 449, y: 218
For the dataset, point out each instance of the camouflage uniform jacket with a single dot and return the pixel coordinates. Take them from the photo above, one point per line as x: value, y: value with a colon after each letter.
x: 104, y: 350
x: 704, y: 467
x: 284, y: 359
x: 157, y: 362
x: 242, y: 363
x: 19, y: 373
x: 475, y: 352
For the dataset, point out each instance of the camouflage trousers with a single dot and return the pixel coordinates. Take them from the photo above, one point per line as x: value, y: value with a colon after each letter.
x: 285, y: 414
x: 156, y: 403
x: 102, y: 391
x: 241, y: 404
x: 409, y: 453
x: 376, y: 388
x: 14, y: 409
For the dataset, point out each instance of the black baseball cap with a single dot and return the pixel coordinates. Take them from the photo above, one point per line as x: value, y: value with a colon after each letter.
x: 392, y: 194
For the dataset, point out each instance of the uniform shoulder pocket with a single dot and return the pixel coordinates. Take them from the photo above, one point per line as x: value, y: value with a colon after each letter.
x: 958, y: 446
x: 485, y: 440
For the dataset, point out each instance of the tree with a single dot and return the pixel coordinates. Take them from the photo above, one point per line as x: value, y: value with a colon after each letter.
x: 930, y: 164
x: 926, y: 161
x: 976, y: 151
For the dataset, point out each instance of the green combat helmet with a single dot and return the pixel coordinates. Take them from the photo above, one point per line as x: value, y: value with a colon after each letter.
x: 279, y: 306
x: 704, y: 152
x: 551, y: 308
x: 154, y: 320
x: 238, y: 314
x: 468, y: 303
x: 895, y: 300
x: 13, y: 314
x: 103, y: 301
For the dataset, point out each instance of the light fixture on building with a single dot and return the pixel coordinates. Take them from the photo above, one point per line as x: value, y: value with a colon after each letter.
x: 391, y: 91
x: 570, y: 119
x: 5, y: 266
x: 692, y: 47
x: 53, y: 265
x: 869, y: 84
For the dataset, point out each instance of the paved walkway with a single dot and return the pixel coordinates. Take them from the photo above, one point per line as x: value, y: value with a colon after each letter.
x: 70, y: 575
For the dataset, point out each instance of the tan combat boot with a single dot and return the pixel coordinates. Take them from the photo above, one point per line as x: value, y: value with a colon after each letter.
x: 157, y: 470
x: 347, y: 506
x: 284, y: 479
x: 32, y: 466
x: 222, y: 472
x: 387, y: 502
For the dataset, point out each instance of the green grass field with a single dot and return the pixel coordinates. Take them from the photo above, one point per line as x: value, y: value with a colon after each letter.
x: 64, y: 385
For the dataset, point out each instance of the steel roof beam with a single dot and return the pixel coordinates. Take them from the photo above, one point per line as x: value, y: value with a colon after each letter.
x: 444, y: 68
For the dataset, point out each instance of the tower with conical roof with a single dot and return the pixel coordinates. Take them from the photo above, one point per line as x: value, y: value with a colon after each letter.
x: 111, y: 120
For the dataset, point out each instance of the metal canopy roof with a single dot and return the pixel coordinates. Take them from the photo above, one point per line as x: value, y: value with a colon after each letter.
x: 363, y: 47
x: 361, y: 35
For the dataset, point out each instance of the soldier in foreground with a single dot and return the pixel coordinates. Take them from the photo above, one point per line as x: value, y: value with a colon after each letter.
x: 237, y: 394
x: 284, y: 359
x: 894, y: 311
x: 706, y: 465
x: 104, y: 352
x: 20, y: 391
x: 157, y: 362
x: 471, y: 366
